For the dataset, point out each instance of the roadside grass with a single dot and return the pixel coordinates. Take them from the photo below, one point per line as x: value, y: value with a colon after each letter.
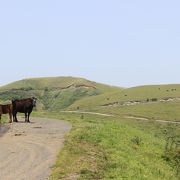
x: 4, y: 118
x: 111, y: 148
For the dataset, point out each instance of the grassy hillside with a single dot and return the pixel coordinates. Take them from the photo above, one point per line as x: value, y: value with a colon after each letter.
x: 53, y: 92
x: 156, y: 111
x: 80, y: 94
x: 52, y: 83
x: 141, y: 93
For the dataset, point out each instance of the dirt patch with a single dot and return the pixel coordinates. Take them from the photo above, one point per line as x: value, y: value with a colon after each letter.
x: 29, y: 150
x: 3, y: 129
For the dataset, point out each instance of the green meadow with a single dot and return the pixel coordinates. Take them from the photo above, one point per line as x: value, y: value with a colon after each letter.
x: 168, y: 111
x: 112, y: 148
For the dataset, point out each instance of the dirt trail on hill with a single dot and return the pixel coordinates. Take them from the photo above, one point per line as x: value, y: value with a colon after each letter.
x: 92, y: 113
x: 29, y: 150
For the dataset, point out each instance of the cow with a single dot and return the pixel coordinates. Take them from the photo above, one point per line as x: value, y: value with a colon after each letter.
x: 6, y: 109
x: 23, y: 106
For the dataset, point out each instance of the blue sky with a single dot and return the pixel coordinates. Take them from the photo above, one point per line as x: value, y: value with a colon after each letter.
x: 124, y: 43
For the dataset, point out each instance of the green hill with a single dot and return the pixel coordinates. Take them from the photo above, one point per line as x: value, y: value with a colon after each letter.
x: 80, y: 94
x: 140, y: 93
x: 53, y: 92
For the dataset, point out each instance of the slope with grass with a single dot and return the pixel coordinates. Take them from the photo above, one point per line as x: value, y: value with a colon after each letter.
x: 77, y: 93
x: 141, y: 93
x: 159, y: 111
x: 54, y: 92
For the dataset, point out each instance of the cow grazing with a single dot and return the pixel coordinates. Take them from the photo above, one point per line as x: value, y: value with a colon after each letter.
x: 6, y: 109
x: 23, y: 106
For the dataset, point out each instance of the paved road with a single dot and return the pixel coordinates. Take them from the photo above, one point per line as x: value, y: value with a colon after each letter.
x: 29, y: 150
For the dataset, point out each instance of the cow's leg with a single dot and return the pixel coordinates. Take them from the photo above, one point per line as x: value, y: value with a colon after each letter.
x: 15, y: 117
x: 10, y: 117
x: 26, y: 120
x: 28, y: 116
x: 14, y: 120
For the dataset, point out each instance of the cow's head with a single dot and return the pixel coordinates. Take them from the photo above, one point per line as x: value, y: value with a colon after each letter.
x: 34, y: 101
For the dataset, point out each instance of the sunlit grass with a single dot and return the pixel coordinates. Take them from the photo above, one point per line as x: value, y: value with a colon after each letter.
x: 111, y: 148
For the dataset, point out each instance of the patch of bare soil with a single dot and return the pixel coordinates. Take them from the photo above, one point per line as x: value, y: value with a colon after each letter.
x: 29, y: 150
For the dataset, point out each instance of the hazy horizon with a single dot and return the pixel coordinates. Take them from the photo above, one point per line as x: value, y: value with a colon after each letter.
x: 118, y: 43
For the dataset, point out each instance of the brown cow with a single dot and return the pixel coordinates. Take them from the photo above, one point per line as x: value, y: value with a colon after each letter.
x: 23, y: 106
x: 6, y: 109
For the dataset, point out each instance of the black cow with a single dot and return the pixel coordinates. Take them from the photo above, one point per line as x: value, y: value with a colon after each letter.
x: 23, y: 106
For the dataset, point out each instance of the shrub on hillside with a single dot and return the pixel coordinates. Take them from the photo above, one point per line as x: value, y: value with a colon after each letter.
x: 172, y: 149
x: 154, y: 99
x: 137, y: 140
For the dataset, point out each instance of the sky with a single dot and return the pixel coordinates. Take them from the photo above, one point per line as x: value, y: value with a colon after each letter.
x: 122, y: 43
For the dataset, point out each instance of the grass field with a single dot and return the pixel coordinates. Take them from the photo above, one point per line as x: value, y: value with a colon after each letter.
x: 140, y: 93
x: 160, y: 111
x: 112, y: 148
x: 4, y: 119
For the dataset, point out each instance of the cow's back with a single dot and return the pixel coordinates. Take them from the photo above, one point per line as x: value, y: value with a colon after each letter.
x: 22, y: 105
x: 7, y: 108
x: 4, y: 109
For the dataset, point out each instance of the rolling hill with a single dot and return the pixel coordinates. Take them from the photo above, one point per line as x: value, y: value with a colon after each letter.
x: 53, y: 92
x: 72, y: 93
x: 132, y: 95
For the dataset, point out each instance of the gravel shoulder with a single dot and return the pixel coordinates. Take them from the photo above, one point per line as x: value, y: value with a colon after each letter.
x: 29, y: 150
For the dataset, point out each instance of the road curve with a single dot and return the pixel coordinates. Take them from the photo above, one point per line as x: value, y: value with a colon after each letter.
x: 29, y: 150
